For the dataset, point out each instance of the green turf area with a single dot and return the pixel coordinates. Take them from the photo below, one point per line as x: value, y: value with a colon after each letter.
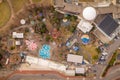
x: 36, y: 1
x: 4, y: 13
x: 90, y: 51
x: 18, y: 4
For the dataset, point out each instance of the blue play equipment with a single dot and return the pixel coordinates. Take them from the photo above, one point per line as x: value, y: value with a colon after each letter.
x: 68, y: 44
x: 85, y: 40
x: 45, y: 52
x: 76, y: 48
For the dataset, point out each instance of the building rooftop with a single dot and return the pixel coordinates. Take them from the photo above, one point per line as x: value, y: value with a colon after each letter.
x: 108, y: 25
x: 80, y: 70
x: 89, y: 13
x: 74, y: 58
x: 84, y: 26
x: 17, y: 35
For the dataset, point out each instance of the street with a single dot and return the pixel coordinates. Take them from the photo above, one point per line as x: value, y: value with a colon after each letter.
x: 100, y: 68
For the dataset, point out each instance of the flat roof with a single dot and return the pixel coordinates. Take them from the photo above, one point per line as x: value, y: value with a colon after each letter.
x: 84, y: 26
x: 17, y: 35
x: 80, y: 70
x: 74, y: 58
x: 46, y: 63
x: 108, y: 25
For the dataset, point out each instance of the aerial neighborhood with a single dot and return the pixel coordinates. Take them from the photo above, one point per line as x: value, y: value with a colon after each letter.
x: 60, y: 40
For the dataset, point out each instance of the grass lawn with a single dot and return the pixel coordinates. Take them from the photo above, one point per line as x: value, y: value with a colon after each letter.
x: 91, y: 49
x: 18, y: 4
x: 36, y: 1
x: 4, y: 13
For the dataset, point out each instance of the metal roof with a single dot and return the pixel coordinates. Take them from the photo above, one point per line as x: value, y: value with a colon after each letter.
x: 108, y: 25
x: 74, y: 58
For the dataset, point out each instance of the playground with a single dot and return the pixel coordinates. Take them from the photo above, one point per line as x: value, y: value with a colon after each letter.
x: 45, y: 52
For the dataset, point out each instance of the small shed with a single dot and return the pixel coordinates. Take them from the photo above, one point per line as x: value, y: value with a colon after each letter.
x: 80, y: 70
x: 17, y: 35
x: 70, y: 72
x: 17, y: 43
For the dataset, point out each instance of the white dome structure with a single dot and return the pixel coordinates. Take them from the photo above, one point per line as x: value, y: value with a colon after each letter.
x: 22, y: 21
x: 89, y: 13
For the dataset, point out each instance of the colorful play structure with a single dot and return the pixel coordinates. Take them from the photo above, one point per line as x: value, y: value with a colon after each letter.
x: 45, y: 51
x: 85, y: 39
x: 31, y: 45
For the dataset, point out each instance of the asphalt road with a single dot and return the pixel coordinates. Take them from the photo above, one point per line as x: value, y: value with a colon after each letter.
x: 100, y: 68
x: 49, y: 76
x: 36, y: 77
x: 112, y: 76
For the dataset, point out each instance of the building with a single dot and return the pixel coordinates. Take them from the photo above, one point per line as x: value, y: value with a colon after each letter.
x: 70, y: 72
x: 18, y: 43
x: 80, y: 70
x: 89, y: 13
x: 17, y: 35
x: 46, y: 63
x: 107, y: 28
x: 74, y: 58
x: 84, y: 26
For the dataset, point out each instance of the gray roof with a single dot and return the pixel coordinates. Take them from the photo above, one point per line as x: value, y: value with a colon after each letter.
x: 108, y: 25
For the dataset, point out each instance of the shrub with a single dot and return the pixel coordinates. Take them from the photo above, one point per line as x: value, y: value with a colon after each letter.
x: 12, y: 48
x: 49, y: 38
x: 26, y: 29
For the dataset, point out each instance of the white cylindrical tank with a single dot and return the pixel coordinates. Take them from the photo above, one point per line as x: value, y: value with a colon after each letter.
x: 89, y: 13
